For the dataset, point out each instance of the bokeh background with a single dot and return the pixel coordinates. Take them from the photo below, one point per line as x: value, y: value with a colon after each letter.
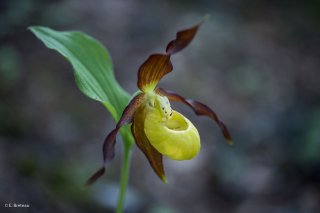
x: 255, y: 62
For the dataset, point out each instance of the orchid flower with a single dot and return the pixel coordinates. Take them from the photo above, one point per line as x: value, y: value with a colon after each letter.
x: 159, y: 130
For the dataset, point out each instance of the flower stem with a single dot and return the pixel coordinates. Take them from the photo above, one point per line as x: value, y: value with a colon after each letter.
x: 124, y: 176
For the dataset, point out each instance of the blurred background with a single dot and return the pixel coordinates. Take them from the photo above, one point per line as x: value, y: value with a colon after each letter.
x: 255, y: 62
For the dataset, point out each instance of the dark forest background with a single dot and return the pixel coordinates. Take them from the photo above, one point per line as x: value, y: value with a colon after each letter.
x: 255, y: 62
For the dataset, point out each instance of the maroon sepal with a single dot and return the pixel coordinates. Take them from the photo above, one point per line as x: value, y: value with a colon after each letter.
x: 183, y: 38
x: 152, y: 70
x: 158, y: 65
x: 143, y: 143
x: 199, y: 109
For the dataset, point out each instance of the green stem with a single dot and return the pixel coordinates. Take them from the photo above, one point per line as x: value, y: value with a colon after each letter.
x: 124, y: 176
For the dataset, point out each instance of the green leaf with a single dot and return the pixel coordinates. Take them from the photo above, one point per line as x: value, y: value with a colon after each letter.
x: 92, y: 66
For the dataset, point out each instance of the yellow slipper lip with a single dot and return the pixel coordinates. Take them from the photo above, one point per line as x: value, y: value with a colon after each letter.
x: 176, y: 138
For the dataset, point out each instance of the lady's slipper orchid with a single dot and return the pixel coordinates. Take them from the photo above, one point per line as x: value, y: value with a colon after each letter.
x: 157, y: 128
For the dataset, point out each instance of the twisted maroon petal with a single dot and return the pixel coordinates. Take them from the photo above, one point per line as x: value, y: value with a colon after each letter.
x: 109, y: 142
x: 199, y: 109
x: 95, y: 176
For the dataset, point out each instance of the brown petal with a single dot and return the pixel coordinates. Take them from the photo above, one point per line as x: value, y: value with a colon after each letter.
x: 199, y: 109
x: 109, y: 143
x: 152, y: 70
x: 153, y: 156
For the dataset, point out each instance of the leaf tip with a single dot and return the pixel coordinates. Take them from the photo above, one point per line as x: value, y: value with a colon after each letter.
x: 33, y: 28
